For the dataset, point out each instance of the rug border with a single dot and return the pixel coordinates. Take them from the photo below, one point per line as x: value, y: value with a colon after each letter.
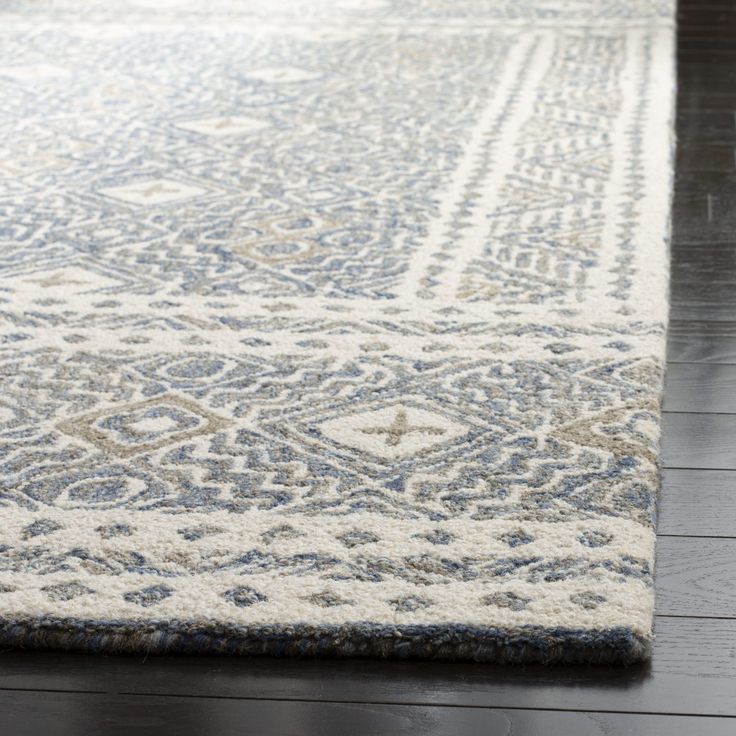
x: 520, y: 645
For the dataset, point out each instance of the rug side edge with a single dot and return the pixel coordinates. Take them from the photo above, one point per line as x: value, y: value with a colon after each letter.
x: 523, y: 645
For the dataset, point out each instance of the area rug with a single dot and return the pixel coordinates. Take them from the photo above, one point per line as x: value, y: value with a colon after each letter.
x: 333, y: 327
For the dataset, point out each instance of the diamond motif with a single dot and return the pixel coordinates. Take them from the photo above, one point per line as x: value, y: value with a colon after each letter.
x: 143, y: 426
x: 70, y: 279
x: 282, y: 74
x: 153, y: 191
x: 393, y: 432
x: 31, y: 72
x: 223, y: 126
x: 79, y: 274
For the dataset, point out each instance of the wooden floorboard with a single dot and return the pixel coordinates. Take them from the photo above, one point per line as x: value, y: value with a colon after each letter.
x: 700, y: 388
x: 695, y: 577
x: 698, y: 293
x: 696, y: 227
x: 713, y: 127
x: 692, y: 328
x: 719, y: 129
x: 698, y: 503
x: 703, y: 265
x: 712, y: 312
x: 705, y: 441
x: 69, y: 714
x: 705, y: 156
x: 683, y: 347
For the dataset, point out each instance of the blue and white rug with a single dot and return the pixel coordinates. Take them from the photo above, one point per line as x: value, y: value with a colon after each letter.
x: 333, y: 326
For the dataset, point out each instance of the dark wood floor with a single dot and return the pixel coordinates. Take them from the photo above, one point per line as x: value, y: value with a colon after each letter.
x: 690, y: 686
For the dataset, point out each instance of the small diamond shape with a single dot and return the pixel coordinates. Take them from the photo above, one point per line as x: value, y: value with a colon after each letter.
x: 144, y: 425
x: 30, y: 72
x: 68, y: 279
x: 393, y: 432
x: 153, y: 191
x: 282, y: 74
x: 223, y: 126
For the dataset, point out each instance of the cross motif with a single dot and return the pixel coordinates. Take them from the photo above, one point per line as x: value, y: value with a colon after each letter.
x: 157, y: 188
x: 399, y: 428
x: 57, y: 279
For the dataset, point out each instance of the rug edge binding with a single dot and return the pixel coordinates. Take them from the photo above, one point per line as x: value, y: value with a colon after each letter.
x: 522, y: 645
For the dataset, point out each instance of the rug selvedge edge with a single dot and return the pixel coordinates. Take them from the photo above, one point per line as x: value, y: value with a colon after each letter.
x: 525, y: 644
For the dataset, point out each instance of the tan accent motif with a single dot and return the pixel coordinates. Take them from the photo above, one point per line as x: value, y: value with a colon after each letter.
x: 286, y: 238
x: 157, y: 188
x: 400, y: 427
x: 282, y: 75
x: 153, y: 191
x: 85, y: 426
x: 586, y: 432
x: 56, y: 279
x: 220, y: 127
x: 393, y: 432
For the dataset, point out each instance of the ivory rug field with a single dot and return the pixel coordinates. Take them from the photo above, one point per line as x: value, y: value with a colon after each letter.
x: 333, y: 326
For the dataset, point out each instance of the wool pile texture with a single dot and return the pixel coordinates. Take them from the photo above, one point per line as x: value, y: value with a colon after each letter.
x: 333, y: 326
